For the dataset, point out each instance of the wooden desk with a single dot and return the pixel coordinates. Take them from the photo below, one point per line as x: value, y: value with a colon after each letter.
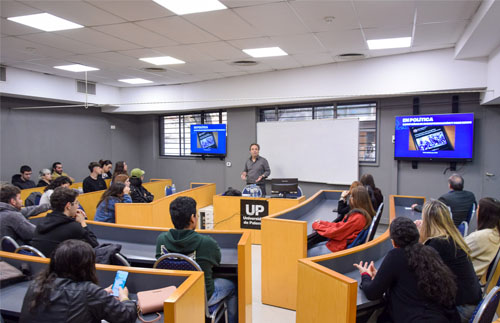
x: 186, y: 304
x: 401, y: 206
x: 284, y: 242
x: 156, y: 213
x: 227, y: 212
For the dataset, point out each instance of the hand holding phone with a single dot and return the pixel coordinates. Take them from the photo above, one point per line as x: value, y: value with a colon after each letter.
x: 120, y: 280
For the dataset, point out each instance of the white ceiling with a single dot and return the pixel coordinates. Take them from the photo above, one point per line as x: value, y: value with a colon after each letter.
x: 118, y: 32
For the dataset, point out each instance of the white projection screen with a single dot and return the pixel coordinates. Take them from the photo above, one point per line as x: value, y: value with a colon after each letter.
x: 321, y: 151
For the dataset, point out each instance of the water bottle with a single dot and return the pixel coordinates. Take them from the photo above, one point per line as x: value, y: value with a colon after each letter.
x: 173, y: 189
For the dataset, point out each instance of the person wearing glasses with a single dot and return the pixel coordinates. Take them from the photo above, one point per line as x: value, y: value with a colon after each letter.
x: 65, y: 222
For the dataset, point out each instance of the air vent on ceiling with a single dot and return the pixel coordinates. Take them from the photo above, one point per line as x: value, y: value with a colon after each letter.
x: 3, y: 73
x: 154, y: 69
x: 350, y: 56
x: 85, y: 87
x: 245, y: 63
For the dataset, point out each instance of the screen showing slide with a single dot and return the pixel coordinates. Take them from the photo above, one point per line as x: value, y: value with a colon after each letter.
x: 434, y: 137
x: 208, y: 139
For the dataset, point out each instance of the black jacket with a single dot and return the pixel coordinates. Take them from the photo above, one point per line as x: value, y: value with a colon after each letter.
x: 55, y: 228
x: 460, y: 203
x: 19, y: 182
x: 42, y: 183
x: 92, y: 185
x: 139, y: 193
x: 76, y: 302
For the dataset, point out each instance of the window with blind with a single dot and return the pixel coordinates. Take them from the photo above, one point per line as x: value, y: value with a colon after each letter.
x: 175, y: 131
x: 365, y: 112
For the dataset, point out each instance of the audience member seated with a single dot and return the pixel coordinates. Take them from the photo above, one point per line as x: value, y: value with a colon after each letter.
x: 418, y: 286
x: 437, y: 230
x: 23, y: 180
x: 13, y: 222
x: 57, y: 170
x: 375, y: 194
x: 122, y: 178
x: 459, y: 201
x: 138, y: 192
x: 202, y: 248
x: 485, y: 242
x: 120, y: 168
x: 67, y: 291
x: 106, y: 166
x: 116, y: 193
x: 343, y: 205
x: 94, y: 181
x: 338, y: 235
x: 45, y: 178
x: 65, y: 222
x: 63, y: 181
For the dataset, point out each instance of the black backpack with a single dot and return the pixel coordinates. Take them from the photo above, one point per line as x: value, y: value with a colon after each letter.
x: 33, y: 199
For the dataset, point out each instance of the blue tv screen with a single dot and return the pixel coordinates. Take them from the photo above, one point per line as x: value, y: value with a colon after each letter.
x: 208, y: 139
x: 445, y: 137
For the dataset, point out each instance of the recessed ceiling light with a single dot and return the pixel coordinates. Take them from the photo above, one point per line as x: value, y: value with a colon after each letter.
x: 76, y: 68
x: 162, y: 60
x: 45, y: 22
x: 184, y: 7
x: 265, y: 52
x: 135, y: 81
x: 400, y: 42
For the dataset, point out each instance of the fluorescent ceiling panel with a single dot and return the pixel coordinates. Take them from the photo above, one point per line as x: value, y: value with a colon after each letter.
x: 184, y: 7
x: 135, y: 81
x: 45, y: 22
x: 76, y: 68
x: 387, y: 43
x: 162, y: 60
x: 265, y: 52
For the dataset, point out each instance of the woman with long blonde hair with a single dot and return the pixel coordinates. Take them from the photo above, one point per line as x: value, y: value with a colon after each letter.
x: 438, y: 231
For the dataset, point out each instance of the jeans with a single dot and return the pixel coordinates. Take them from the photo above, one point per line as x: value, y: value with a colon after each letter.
x: 225, y: 289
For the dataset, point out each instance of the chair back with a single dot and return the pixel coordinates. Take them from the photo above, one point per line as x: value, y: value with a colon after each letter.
x: 493, y: 274
x: 360, y: 239
x: 29, y: 251
x: 485, y: 311
x: 119, y: 260
x: 463, y: 228
x: 9, y: 244
x: 375, y: 221
x: 472, y: 218
x: 177, y: 261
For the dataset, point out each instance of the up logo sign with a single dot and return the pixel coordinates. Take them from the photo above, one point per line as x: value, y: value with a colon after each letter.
x: 252, y: 212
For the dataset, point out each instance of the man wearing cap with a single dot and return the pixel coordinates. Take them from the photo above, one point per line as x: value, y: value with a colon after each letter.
x: 139, y: 193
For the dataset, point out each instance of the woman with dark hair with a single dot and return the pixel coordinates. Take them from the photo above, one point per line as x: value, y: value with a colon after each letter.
x: 339, y: 235
x: 438, y: 231
x: 418, y: 286
x: 485, y: 242
x: 67, y: 291
x: 106, y: 166
x: 120, y: 168
x: 63, y: 181
x: 375, y: 193
x: 116, y: 193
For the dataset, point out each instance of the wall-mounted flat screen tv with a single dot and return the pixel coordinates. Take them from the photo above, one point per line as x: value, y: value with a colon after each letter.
x: 208, y: 139
x: 439, y: 137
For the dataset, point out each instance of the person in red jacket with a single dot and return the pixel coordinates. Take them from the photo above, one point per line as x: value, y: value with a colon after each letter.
x: 340, y: 234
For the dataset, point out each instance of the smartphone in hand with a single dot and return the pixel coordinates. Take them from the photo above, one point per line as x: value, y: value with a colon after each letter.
x: 120, y: 280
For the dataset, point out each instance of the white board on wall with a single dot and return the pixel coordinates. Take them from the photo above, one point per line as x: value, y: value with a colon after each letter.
x: 322, y: 151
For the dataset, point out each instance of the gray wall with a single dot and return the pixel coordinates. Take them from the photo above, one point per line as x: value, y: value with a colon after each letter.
x: 73, y: 136
x: 77, y: 136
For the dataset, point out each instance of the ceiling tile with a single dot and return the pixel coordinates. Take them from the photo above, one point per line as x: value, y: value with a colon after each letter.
x: 247, y: 3
x: 136, y: 34
x: 132, y: 10
x: 30, y: 48
x: 178, y: 29
x: 438, y: 33
x: 11, y: 28
x: 219, y: 50
x: 97, y: 39
x: 143, y: 52
x: 252, y: 43
x: 279, y: 63
x: 272, y: 19
x: 343, y: 42
x: 388, y: 32
x: 297, y: 44
x: 221, y: 67
x: 313, y: 14
x: 187, y: 53
x: 224, y: 24
x: 10, y: 8
x: 119, y: 59
x: 313, y: 59
x: 58, y: 41
x: 384, y: 13
x: 445, y: 11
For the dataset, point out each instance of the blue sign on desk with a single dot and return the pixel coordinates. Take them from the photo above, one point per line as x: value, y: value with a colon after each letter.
x: 251, y: 212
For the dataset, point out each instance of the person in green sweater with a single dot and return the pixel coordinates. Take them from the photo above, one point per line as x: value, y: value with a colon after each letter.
x: 202, y: 248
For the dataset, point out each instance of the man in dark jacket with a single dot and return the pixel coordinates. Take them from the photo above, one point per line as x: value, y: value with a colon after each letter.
x: 23, y: 180
x: 94, y: 181
x: 13, y: 222
x: 66, y: 221
x: 202, y: 248
x: 459, y: 201
x: 139, y: 193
